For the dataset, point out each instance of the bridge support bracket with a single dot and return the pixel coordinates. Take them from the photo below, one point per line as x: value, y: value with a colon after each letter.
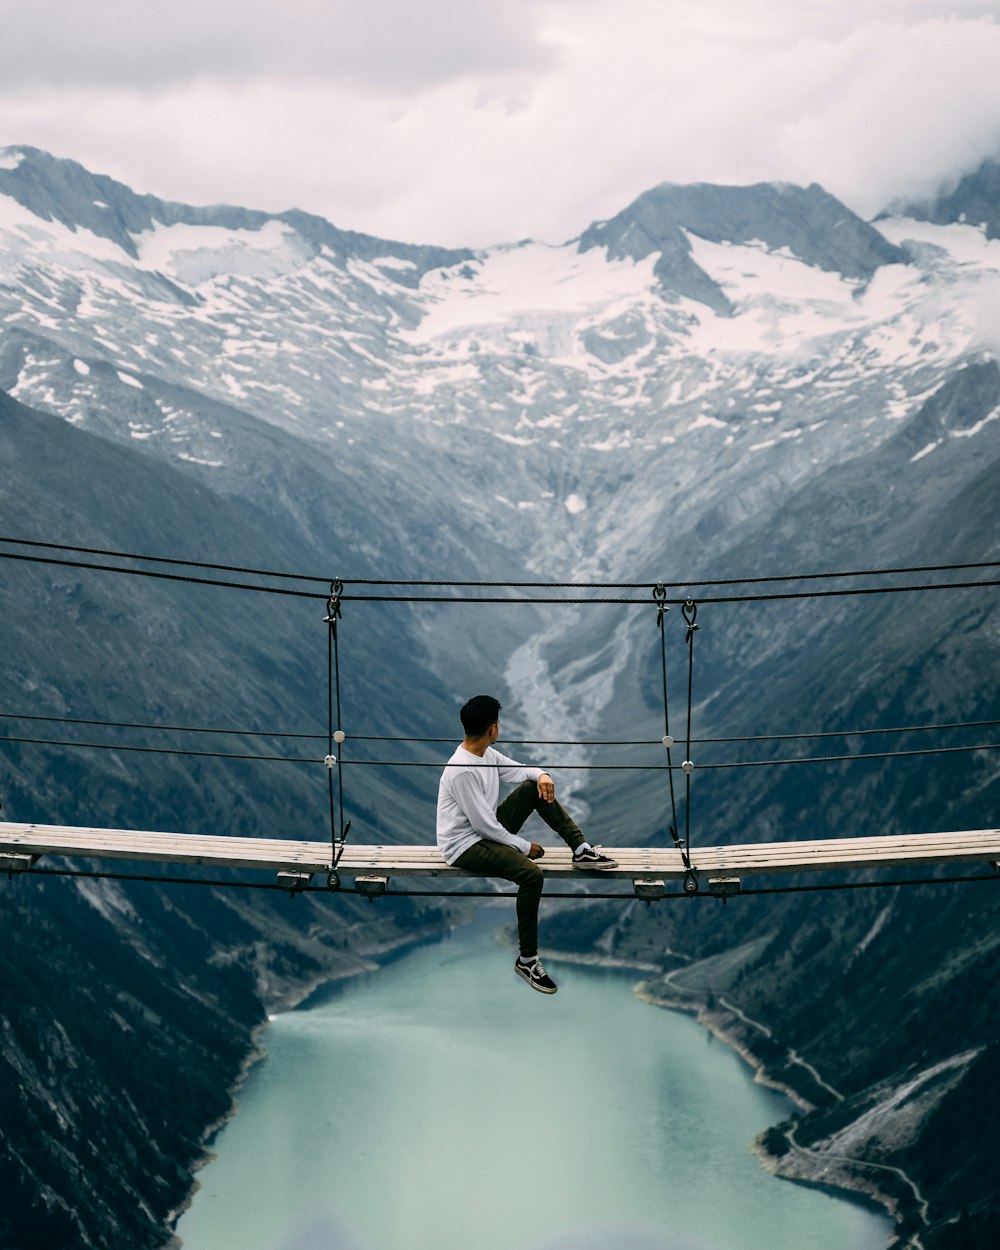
x: 17, y: 861
x: 371, y: 887
x: 294, y: 882
x: 647, y: 889
x: 724, y: 887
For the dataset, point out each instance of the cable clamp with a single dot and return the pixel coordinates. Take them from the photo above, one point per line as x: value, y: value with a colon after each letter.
x: 333, y: 603
x: 338, y: 846
x: 330, y: 761
x: 690, y: 613
x: 660, y: 598
x: 687, y: 767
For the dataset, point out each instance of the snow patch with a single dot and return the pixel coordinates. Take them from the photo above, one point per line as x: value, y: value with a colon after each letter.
x: 211, y: 464
x: 963, y: 244
x: 129, y: 380
x: 574, y: 504
x: 107, y: 899
x: 748, y: 270
x: 877, y: 926
x: 706, y: 422
x: 537, y: 291
x: 22, y: 232
x: 196, y: 254
x: 924, y: 451
x: 785, y: 307
x: 81, y: 367
x: 974, y: 429
x: 394, y: 262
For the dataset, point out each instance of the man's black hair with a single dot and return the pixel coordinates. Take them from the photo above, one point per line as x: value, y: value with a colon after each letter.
x: 478, y: 714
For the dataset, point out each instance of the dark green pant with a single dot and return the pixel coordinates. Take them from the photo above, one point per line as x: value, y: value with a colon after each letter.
x: 494, y: 859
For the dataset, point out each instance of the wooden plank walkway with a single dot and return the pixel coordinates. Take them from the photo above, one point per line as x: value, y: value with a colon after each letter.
x: 21, y: 843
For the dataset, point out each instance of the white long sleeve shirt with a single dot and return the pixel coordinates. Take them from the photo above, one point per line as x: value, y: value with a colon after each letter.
x: 467, y: 801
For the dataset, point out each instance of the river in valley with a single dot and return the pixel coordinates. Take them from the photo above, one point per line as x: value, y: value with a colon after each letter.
x: 440, y: 1104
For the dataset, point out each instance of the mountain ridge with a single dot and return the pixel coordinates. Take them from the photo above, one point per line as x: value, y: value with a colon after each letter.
x: 815, y: 226
x: 55, y: 187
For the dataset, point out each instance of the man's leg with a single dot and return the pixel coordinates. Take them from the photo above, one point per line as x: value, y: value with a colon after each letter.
x: 525, y: 799
x: 493, y: 859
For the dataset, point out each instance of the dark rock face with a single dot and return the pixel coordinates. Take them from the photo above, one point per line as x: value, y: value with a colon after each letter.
x: 119, y: 1043
x: 812, y: 224
x: 885, y: 993
x: 974, y: 201
x: 957, y: 407
x: 127, y: 1011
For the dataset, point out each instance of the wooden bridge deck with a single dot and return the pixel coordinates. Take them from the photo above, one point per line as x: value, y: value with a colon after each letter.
x: 22, y: 844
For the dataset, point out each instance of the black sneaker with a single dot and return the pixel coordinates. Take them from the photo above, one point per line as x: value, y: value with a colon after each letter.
x: 593, y: 859
x: 536, y: 976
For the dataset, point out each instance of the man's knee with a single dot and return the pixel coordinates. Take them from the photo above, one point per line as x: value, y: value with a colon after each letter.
x: 526, y: 793
x: 531, y: 877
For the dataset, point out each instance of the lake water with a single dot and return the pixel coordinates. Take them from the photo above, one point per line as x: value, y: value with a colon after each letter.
x: 440, y: 1104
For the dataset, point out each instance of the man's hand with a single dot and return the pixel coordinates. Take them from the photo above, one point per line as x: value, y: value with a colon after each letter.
x: 546, y: 788
x: 536, y: 851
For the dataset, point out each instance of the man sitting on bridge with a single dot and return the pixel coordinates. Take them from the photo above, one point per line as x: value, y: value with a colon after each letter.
x: 474, y: 833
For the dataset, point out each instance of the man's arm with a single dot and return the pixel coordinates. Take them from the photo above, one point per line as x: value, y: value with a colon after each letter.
x: 511, y: 770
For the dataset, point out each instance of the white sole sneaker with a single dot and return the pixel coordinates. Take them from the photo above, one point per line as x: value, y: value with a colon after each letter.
x: 595, y: 863
x: 535, y: 976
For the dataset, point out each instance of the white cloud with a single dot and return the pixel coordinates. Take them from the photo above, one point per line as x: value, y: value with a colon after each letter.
x: 396, y: 45
x: 455, y: 123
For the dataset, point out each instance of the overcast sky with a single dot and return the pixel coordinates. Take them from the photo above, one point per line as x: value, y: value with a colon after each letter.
x: 482, y: 121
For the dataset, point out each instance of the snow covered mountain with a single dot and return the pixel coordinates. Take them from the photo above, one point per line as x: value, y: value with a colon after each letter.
x: 706, y: 335
x: 639, y: 403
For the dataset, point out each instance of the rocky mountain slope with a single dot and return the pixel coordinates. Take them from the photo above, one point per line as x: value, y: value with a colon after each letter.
x: 715, y: 382
x: 128, y: 1011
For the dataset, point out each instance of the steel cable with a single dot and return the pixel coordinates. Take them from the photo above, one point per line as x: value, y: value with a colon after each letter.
x: 526, y: 600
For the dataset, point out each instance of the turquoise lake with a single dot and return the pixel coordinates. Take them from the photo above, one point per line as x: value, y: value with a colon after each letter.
x: 440, y: 1104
